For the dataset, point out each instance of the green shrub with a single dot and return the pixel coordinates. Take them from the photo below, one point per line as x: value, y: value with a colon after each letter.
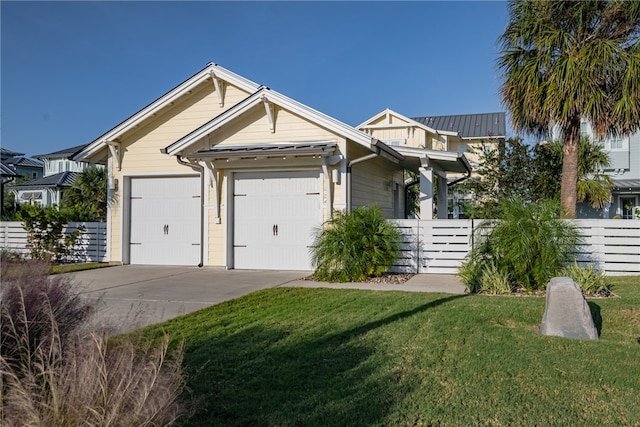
x: 58, y: 369
x: 351, y: 247
x: 494, y: 281
x: 530, y: 242
x: 590, y: 280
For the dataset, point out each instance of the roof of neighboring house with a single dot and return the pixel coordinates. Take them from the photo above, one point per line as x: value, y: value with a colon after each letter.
x: 626, y: 183
x: 4, y: 152
x: 6, y: 171
x: 64, y: 153
x: 23, y: 162
x: 62, y: 179
x: 485, y: 125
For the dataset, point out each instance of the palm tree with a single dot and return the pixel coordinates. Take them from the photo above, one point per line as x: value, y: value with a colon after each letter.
x: 563, y: 61
x: 593, y: 185
x: 88, y: 194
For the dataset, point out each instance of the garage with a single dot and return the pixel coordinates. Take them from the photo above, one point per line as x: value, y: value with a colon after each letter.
x: 164, y: 220
x: 275, y: 214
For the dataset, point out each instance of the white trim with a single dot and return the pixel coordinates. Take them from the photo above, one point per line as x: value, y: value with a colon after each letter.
x: 183, y: 88
x: 272, y: 97
x: 410, y: 123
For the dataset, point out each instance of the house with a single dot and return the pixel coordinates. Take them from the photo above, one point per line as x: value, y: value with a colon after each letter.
x: 624, y: 170
x: 221, y: 171
x: 60, y: 173
x: 460, y: 137
x: 24, y: 167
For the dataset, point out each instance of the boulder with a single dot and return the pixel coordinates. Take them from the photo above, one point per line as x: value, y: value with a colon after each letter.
x: 567, y: 313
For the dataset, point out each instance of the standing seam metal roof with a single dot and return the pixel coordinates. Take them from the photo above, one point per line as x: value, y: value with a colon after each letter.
x: 468, y: 125
x: 62, y: 179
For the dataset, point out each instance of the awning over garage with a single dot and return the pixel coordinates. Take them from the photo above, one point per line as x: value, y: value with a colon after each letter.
x: 253, y: 151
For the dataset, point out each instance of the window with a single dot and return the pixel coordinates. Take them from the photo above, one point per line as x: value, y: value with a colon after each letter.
x: 584, y: 128
x: 34, y: 175
x: 616, y: 143
x: 395, y: 142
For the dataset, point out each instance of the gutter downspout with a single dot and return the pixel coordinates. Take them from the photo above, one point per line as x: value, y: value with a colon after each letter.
x: 201, y: 169
x: 349, y: 165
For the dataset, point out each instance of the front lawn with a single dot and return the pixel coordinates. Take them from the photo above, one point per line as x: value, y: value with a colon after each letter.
x: 321, y: 357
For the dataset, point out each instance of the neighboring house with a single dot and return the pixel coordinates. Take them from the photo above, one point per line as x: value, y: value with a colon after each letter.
x: 221, y: 171
x: 45, y: 191
x: 456, y: 136
x: 624, y: 170
x: 23, y: 166
x: 59, y: 174
x: 6, y: 176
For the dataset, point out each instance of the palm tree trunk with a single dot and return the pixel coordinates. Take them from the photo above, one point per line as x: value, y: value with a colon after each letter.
x: 569, y: 184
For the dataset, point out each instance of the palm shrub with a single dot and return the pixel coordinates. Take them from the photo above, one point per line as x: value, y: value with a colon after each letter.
x: 351, y: 247
x: 530, y: 244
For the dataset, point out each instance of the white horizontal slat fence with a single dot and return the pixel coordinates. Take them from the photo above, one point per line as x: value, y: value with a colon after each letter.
x: 91, y: 245
x: 440, y: 246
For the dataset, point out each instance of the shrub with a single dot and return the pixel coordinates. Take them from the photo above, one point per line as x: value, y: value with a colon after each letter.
x: 353, y: 246
x: 45, y: 225
x: 57, y: 369
x: 530, y: 242
x: 590, y: 280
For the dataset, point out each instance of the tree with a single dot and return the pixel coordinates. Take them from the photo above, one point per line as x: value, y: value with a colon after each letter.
x: 87, y: 197
x: 564, y: 61
x: 593, y: 185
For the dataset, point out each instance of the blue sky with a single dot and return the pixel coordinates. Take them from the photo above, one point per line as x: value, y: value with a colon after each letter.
x: 73, y: 70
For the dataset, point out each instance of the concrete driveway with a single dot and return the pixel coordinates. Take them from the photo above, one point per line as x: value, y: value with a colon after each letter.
x: 136, y: 295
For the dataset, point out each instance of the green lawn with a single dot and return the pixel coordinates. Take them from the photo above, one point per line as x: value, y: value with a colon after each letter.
x: 320, y: 357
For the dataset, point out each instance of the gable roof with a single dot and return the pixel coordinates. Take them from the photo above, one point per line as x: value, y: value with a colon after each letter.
x: 8, y: 153
x: 23, y: 162
x: 264, y: 94
x: 485, y: 125
x: 62, y: 179
x: 409, y: 122
x: 64, y: 153
x: 211, y: 71
x: 6, y: 171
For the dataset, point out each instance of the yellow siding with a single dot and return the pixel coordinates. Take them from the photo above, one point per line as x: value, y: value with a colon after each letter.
x: 370, y: 182
x: 115, y: 248
x: 142, y: 146
x: 253, y: 128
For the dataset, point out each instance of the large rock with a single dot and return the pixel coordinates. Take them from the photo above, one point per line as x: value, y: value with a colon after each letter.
x: 567, y: 313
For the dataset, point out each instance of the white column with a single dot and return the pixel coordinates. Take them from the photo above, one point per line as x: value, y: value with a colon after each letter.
x: 442, y: 197
x: 426, y: 193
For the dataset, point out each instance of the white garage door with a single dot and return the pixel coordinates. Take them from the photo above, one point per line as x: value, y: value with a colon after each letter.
x: 165, y: 221
x: 274, y: 220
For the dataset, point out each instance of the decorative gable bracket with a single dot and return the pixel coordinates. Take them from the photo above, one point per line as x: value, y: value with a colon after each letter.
x: 268, y: 106
x: 219, y: 86
x: 116, y: 152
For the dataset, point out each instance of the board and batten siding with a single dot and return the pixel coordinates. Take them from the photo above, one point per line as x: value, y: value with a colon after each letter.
x: 253, y: 128
x: 370, y: 183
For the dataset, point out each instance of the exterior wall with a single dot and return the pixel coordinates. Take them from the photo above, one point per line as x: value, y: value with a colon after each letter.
x: 371, y: 183
x: 253, y: 128
x: 141, y: 146
x: 54, y: 166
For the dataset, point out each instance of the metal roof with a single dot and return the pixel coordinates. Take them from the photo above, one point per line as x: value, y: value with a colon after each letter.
x: 64, y: 153
x: 62, y: 179
x: 6, y: 171
x: 485, y: 125
x: 5, y: 152
x: 266, y: 150
x: 23, y: 162
x: 626, y: 183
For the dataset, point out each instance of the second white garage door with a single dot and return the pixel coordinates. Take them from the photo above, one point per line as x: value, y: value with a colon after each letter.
x: 165, y: 221
x: 275, y: 214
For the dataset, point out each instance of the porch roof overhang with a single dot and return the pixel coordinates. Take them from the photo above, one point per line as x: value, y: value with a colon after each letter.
x: 262, y: 151
x: 443, y: 161
x: 626, y: 184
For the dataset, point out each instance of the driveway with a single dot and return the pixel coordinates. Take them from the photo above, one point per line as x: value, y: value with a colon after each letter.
x: 138, y: 295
